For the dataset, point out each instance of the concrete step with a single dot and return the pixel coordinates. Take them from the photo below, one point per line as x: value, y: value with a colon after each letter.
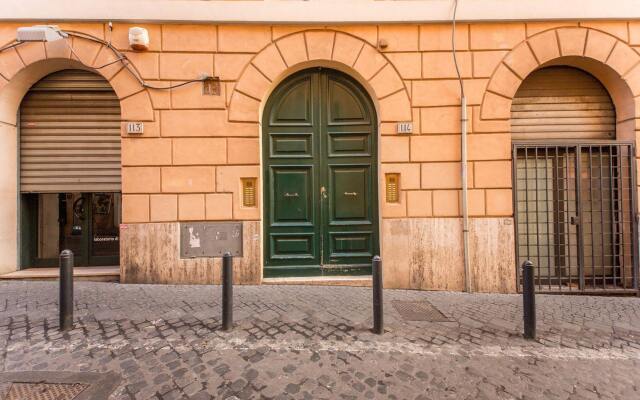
x: 363, y: 280
x: 93, y: 274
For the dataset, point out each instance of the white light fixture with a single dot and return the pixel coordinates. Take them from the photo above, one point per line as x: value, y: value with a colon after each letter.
x: 40, y: 33
x: 138, y: 38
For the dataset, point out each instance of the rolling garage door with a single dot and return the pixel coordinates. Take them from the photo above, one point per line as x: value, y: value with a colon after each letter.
x: 562, y: 103
x: 70, y: 135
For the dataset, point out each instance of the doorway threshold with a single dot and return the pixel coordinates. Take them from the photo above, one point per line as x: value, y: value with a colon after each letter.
x: 356, y: 280
x: 94, y: 274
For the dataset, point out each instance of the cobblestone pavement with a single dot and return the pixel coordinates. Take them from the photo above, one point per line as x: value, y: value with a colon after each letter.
x: 307, y: 342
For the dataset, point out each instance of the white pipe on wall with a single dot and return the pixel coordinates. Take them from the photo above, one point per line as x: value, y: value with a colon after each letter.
x: 463, y: 158
x: 465, y: 194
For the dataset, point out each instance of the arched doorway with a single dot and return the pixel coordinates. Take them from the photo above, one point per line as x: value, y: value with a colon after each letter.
x: 320, y: 176
x: 574, y: 184
x: 69, y: 181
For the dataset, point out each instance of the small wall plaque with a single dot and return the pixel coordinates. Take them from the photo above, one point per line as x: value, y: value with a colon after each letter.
x: 404, y: 127
x: 210, y: 239
x: 211, y: 86
x: 135, y: 128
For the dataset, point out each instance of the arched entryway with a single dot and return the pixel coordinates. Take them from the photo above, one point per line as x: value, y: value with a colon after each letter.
x: 574, y: 184
x: 69, y: 162
x: 320, y: 176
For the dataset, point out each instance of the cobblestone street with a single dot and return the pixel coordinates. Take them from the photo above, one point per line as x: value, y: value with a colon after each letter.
x: 314, y: 343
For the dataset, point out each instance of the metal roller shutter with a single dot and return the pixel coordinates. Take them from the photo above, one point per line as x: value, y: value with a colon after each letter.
x: 562, y: 103
x: 70, y: 135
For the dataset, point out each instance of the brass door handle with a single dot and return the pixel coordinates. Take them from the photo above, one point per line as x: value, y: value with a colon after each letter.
x: 287, y: 194
x: 323, y: 192
x: 350, y: 194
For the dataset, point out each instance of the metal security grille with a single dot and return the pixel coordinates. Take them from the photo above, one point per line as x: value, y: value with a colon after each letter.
x: 45, y: 391
x: 575, y: 217
x: 70, y: 135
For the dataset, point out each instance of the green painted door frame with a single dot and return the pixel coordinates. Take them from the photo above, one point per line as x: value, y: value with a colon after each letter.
x: 320, y: 176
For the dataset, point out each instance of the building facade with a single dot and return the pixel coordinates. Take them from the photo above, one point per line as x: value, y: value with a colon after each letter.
x: 330, y: 142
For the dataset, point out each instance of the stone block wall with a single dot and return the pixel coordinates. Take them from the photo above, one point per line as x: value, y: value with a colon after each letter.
x: 188, y: 163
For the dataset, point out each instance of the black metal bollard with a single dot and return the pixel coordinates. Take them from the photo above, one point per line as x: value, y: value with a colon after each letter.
x: 378, y: 315
x: 66, y: 290
x: 528, y: 300
x: 227, y: 292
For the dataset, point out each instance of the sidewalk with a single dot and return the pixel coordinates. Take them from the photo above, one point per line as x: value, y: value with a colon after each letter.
x: 313, y: 342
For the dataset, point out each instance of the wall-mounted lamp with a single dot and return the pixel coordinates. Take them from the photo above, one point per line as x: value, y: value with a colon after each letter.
x: 40, y: 33
x: 138, y: 38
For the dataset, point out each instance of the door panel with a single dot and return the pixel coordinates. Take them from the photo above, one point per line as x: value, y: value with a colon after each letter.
x: 105, y: 229
x: 349, y: 144
x: 75, y: 230
x: 284, y: 145
x: 350, y: 247
x: 350, y: 242
x: 344, y: 108
x: 349, y: 194
x: 292, y: 201
x: 320, y: 175
x: 294, y: 106
x: 293, y: 245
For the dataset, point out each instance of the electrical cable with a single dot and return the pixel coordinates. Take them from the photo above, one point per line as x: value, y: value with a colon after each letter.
x: 121, y: 57
x: 107, y: 64
x: 128, y: 65
x: 10, y: 45
x: 453, y: 46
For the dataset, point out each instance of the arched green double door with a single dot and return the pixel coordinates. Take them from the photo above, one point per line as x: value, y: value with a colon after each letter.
x: 320, y: 176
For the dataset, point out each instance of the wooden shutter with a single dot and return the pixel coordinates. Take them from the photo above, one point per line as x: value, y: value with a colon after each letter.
x: 70, y: 135
x: 562, y: 103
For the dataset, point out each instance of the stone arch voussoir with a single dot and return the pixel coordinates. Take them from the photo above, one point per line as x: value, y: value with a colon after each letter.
x: 27, y: 63
x: 612, y: 61
x: 328, y: 48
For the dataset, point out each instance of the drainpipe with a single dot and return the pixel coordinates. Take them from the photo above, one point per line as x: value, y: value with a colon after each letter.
x: 463, y: 156
x: 465, y: 210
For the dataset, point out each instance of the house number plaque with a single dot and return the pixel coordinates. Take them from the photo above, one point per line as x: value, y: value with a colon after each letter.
x: 404, y: 127
x: 135, y: 128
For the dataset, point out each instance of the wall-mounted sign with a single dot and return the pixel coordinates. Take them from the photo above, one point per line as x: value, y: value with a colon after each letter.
x: 135, y: 128
x: 404, y: 127
x: 210, y: 239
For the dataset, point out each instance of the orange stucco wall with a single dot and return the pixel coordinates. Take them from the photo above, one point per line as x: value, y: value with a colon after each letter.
x: 188, y: 163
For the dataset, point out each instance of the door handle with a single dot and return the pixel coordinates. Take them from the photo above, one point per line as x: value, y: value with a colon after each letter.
x: 323, y: 192
x: 353, y: 194
x: 287, y: 194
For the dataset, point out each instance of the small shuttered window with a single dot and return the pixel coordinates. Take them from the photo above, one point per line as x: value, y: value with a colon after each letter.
x: 70, y: 135
x: 562, y: 103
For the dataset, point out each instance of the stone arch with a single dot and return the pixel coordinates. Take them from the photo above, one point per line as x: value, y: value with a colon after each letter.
x: 610, y: 60
x: 23, y: 66
x: 327, y: 48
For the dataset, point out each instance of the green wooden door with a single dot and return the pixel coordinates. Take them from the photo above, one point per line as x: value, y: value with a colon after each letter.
x: 320, y: 176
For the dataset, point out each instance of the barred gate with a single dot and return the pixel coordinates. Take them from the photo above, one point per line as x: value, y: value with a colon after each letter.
x: 575, y: 215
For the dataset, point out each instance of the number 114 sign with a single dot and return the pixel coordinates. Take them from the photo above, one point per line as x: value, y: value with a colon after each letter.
x: 404, y: 127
